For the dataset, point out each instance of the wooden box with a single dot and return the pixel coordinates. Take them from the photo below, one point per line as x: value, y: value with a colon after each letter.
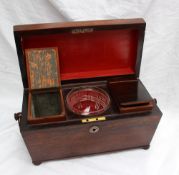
x: 82, y: 92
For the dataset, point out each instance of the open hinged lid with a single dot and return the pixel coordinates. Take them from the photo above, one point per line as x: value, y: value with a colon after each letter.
x: 86, y: 49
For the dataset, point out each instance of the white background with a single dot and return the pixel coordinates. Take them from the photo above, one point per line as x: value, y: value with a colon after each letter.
x: 159, y: 72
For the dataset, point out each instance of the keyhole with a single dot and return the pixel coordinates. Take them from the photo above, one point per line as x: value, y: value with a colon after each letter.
x: 94, y: 129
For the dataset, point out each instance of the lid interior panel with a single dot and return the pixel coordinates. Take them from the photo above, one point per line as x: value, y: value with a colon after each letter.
x: 94, y: 54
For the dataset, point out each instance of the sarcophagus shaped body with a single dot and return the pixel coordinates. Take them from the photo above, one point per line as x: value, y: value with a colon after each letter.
x: 82, y: 92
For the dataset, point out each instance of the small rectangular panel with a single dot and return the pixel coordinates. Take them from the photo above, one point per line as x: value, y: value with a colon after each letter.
x: 42, y: 67
x: 130, y: 96
x: 46, y: 104
x: 124, y: 90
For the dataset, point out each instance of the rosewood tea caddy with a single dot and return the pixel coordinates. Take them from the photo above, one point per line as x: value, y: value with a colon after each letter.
x: 82, y: 92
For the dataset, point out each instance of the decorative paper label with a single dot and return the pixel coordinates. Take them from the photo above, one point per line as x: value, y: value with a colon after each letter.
x: 42, y: 67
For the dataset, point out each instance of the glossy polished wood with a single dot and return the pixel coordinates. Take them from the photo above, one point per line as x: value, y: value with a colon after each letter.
x: 113, y: 48
x: 130, y: 96
x: 51, y: 26
x: 71, y: 137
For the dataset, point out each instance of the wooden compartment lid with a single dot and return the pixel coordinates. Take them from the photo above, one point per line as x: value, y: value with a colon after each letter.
x: 42, y: 68
x: 86, y: 49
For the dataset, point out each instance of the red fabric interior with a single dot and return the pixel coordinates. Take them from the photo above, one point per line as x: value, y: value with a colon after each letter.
x: 87, y: 55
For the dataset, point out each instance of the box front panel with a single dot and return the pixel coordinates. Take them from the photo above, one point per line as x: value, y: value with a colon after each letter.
x: 91, y: 138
